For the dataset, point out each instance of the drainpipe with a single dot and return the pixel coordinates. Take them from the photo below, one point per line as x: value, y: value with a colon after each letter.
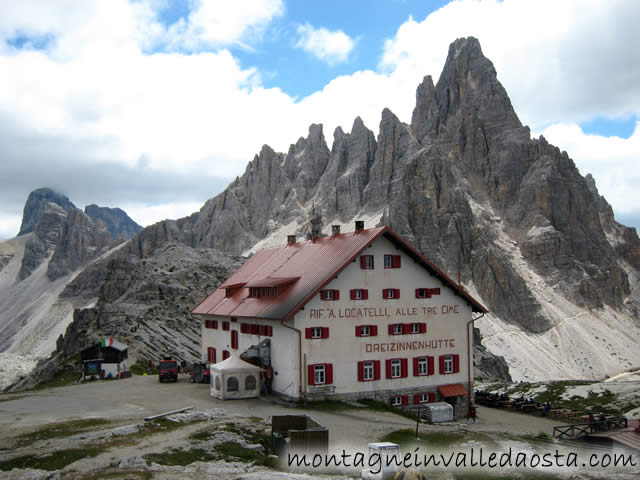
x: 299, y: 356
x: 470, y: 356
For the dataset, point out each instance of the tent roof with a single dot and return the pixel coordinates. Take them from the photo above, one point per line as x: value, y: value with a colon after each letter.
x: 234, y: 364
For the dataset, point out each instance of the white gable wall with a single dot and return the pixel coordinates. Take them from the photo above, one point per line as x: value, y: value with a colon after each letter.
x: 446, y: 316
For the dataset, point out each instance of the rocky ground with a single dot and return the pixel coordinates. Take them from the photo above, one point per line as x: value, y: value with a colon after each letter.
x: 97, y: 430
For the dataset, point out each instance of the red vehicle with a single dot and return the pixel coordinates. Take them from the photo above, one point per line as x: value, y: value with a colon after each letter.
x: 201, y: 373
x: 168, y: 369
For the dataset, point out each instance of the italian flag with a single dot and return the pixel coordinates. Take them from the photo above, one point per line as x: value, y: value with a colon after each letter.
x: 106, y: 342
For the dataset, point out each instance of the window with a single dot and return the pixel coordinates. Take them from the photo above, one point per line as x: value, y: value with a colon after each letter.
x: 359, y: 294
x: 418, y: 328
x: 427, y: 292
x: 396, y: 329
x: 368, y: 370
x: 316, y: 332
x: 366, y: 262
x: 392, y: 261
x: 449, y: 364
x: 211, y: 355
x: 329, y: 294
x: 234, y: 339
x: 390, y: 293
x: 422, y: 366
x: 258, y: 292
x: 396, y: 368
x: 211, y: 324
x: 424, y: 397
x: 225, y: 325
x: 320, y: 374
x: 232, y: 384
x: 225, y: 354
x: 250, y: 383
x: 265, y: 331
x: 366, y: 330
x: 399, y: 400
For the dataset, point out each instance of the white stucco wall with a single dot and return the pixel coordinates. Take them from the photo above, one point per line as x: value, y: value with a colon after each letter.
x: 446, y: 317
x: 284, y: 349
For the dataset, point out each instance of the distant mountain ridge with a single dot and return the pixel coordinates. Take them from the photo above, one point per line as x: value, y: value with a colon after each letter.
x: 464, y: 182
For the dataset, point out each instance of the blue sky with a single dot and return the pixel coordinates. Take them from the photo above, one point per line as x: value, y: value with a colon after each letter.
x: 155, y: 105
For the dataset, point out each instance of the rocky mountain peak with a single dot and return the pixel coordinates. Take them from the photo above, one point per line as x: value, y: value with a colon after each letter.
x: 35, y: 206
x: 118, y: 223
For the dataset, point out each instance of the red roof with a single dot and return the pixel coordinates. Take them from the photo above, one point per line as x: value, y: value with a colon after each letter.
x: 301, y: 270
x: 452, y: 390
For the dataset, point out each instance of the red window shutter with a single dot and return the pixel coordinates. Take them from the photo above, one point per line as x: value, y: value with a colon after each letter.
x: 456, y: 363
x: 406, y: 328
x: 441, y: 359
x: 328, y: 373
x: 416, y: 368
x: 211, y: 355
x: 388, y: 368
x: 432, y: 396
x: 234, y: 339
x: 376, y: 369
x: 390, y: 326
x: 365, y: 294
x: 352, y: 294
x: 215, y: 324
x: 243, y: 328
x: 358, y: 331
x: 416, y: 398
x: 384, y: 293
x: 361, y: 371
x: 417, y: 293
x: 323, y: 295
x: 336, y: 294
x: 374, y: 330
x: 307, y: 333
x: 396, y: 293
x: 225, y: 354
x: 395, y: 261
x: 362, y: 262
x: 225, y: 325
x: 405, y: 399
x: 269, y: 331
x: 404, y: 367
x: 255, y: 329
x: 325, y: 332
x: 423, y: 327
x: 430, y: 368
x: 310, y: 376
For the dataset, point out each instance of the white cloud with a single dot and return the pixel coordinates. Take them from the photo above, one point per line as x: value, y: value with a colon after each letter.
x: 98, y: 88
x: 215, y: 23
x: 329, y: 46
x: 611, y: 160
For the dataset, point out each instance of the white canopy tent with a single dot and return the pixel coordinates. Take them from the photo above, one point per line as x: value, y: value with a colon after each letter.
x: 235, y: 378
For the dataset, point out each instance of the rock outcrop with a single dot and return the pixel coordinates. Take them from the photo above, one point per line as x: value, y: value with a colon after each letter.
x: 118, y: 223
x: 35, y: 207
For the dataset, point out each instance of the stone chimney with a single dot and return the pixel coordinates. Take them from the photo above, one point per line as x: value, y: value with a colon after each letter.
x: 291, y: 239
x: 335, y: 229
x: 359, y: 225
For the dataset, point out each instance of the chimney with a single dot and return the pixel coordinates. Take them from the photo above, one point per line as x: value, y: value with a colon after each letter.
x: 359, y: 225
x: 335, y: 229
x: 291, y: 239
